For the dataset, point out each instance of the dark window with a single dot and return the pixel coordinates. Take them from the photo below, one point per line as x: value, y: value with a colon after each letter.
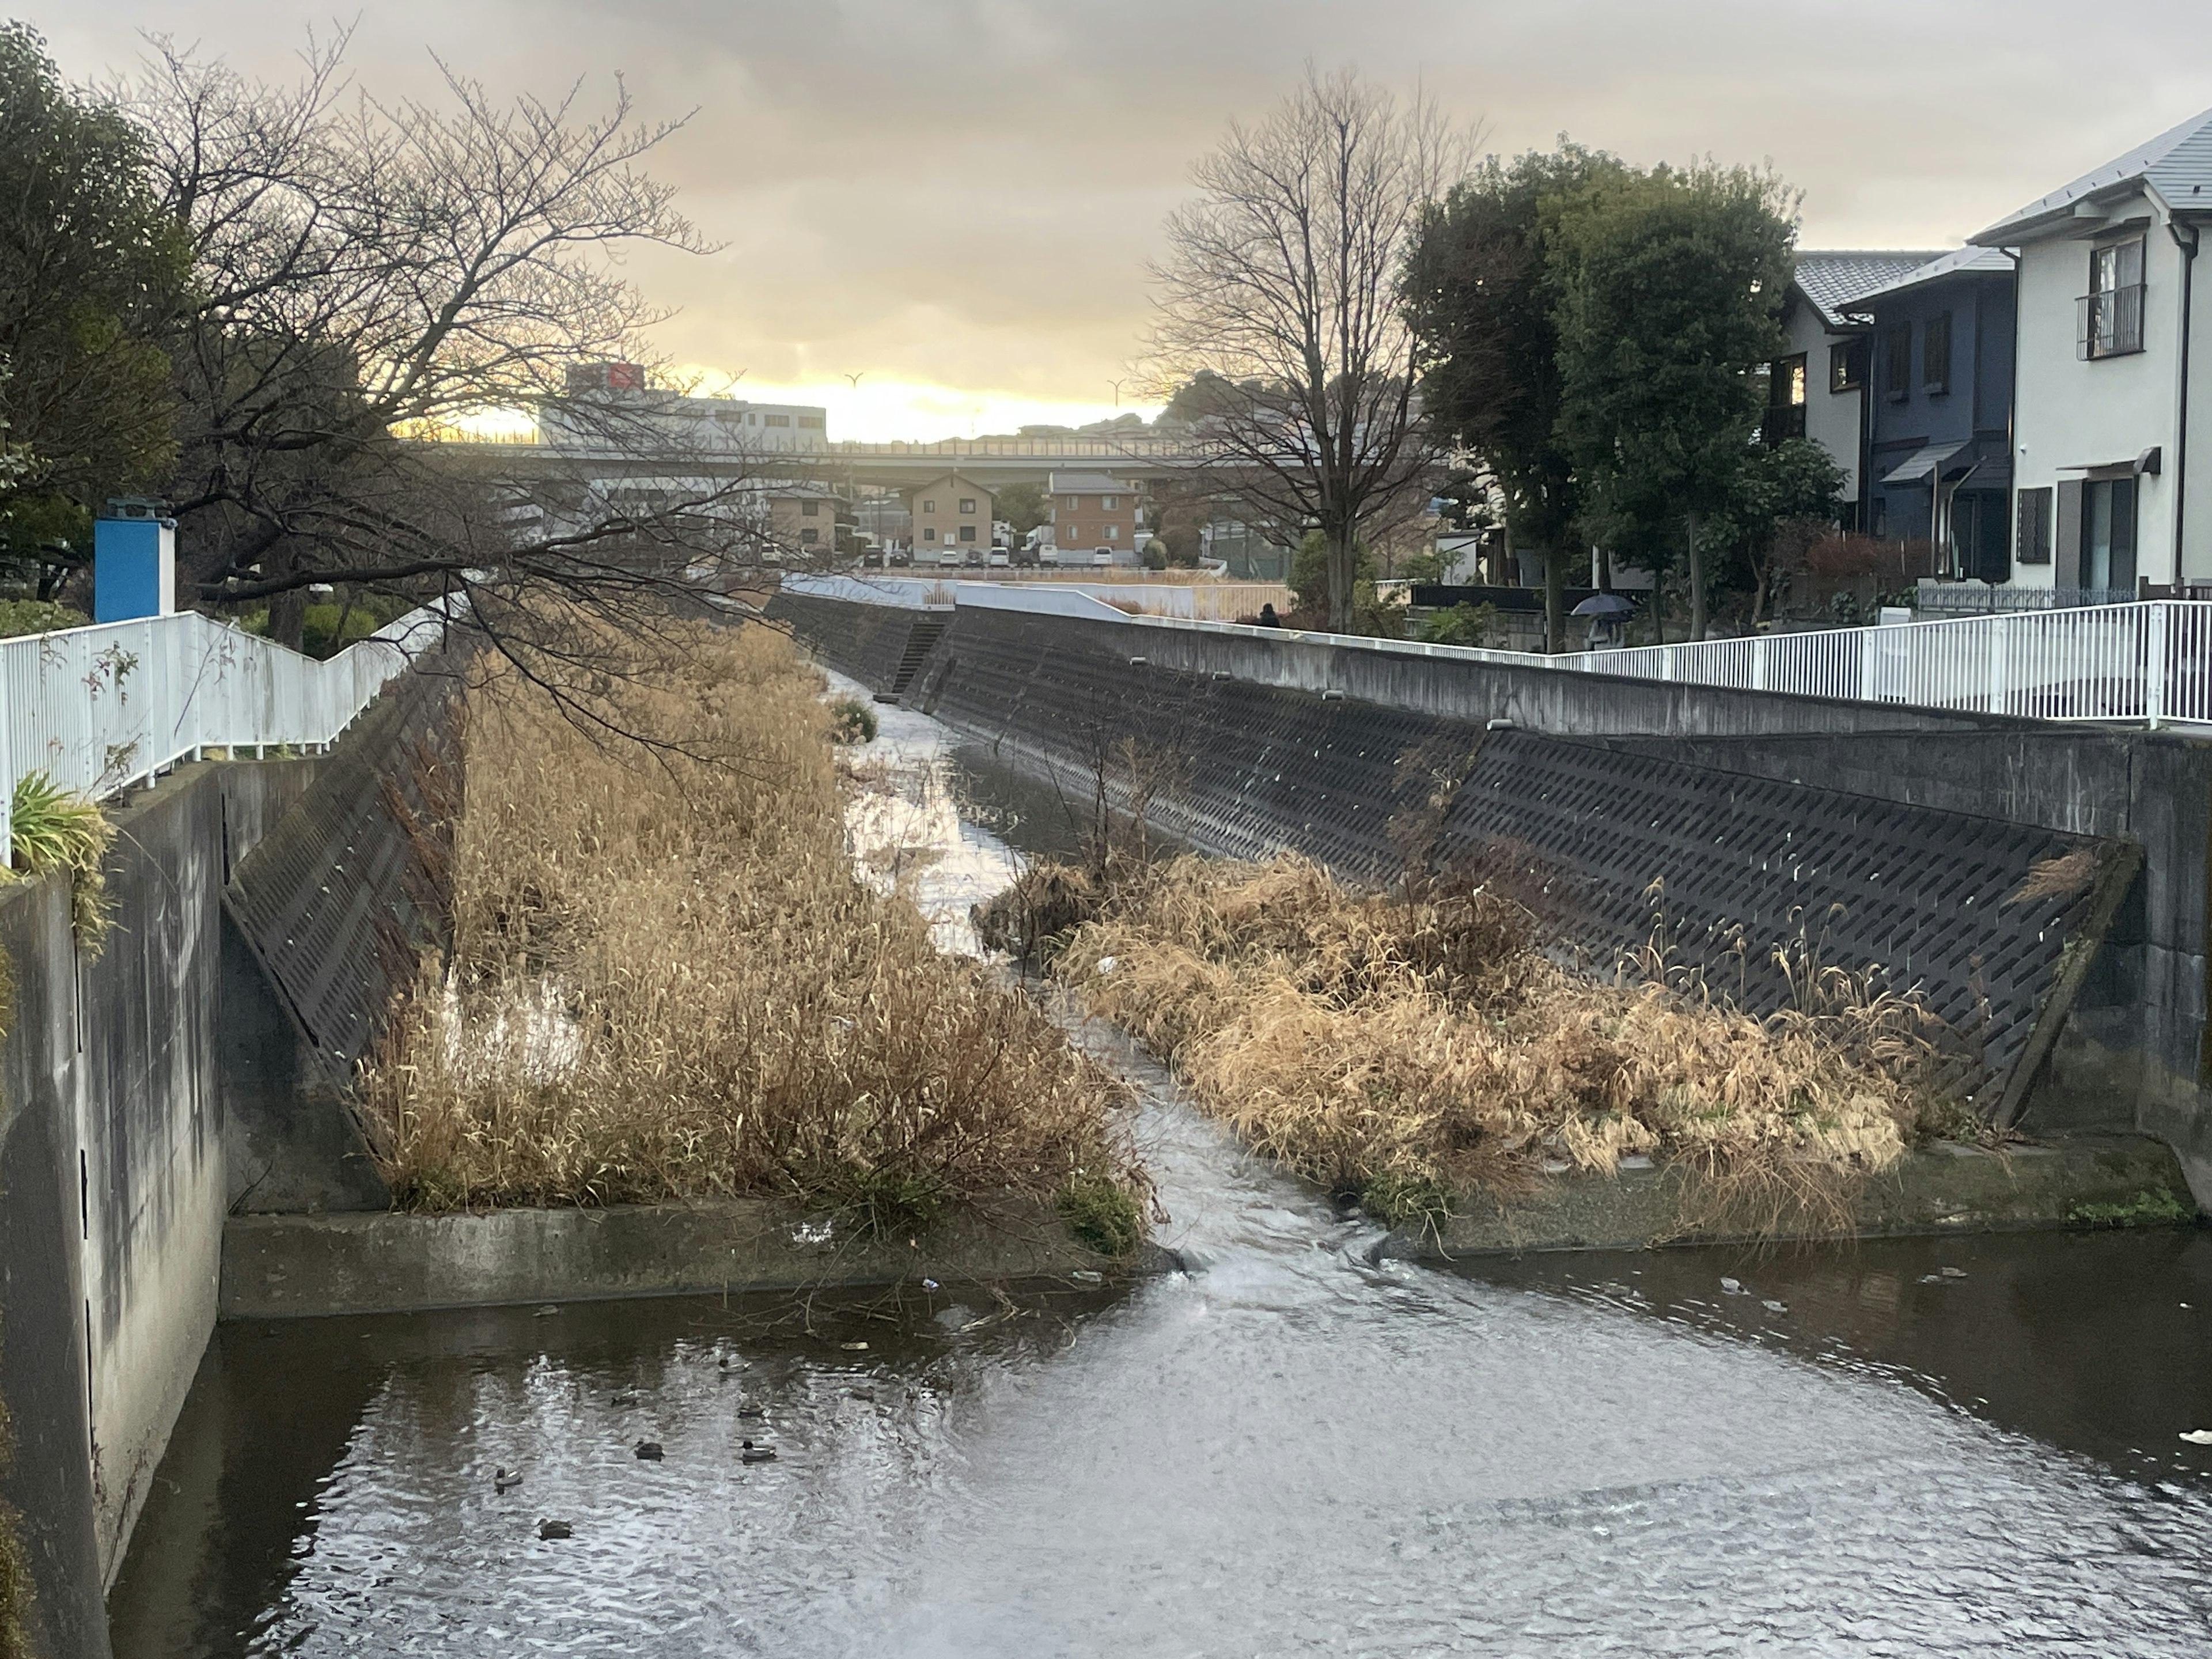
x: 1785, y: 400
x: 1897, y: 365
x: 1936, y: 354
x: 2033, y: 544
x: 1847, y: 366
x: 929, y: 534
x: 809, y: 537
x: 775, y: 420
x: 966, y: 503
x: 810, y: 509
x: 810, y: 423
x: 2111, y: 320
x: 1978, y: 535
x: 967, y: 532
x: 2108, y: 534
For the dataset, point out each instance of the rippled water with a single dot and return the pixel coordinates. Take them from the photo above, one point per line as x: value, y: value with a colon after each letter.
x: 1289, y: 1448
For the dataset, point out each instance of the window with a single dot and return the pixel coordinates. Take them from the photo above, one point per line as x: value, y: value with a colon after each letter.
x: 775, y: 420
x: 1935, y: 355
x: 810, y: 509
x: 1847, y: 366
x: 2111, y: 320
x: 1785, y: 400
x: 1069, y: 539
x: 967, y: 532
x: 1897, y: 363
x: 2031, y: 546
x: 929, y: 507
x: 1112, y: 530
x: 810, y: 423
x: 930, y: 533
x: 1108, y: 503
x: 809, y: 537
x: 1978, y: 535
x: 966, y: 503
x: 1069, y: 502
x: 2108, y: 534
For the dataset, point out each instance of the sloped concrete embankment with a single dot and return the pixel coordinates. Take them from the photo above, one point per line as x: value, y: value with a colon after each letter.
x: 2000, y: 874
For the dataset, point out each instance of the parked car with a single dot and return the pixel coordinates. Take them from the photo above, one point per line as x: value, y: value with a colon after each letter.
x: 1047, y: 555
x: 949, y: 559
x: 899, y: 557
x: 1102, y: 557
x: 1000, y: 559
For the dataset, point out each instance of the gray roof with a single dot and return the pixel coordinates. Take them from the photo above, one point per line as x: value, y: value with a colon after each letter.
x: 2177, y: 164
x: 1829, y: 277
x: 1085, y: 483
x: 1944, y: 264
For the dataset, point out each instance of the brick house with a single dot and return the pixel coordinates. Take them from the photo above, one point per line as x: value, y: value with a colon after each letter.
x: 952, y: 511
x: 1091, y: 510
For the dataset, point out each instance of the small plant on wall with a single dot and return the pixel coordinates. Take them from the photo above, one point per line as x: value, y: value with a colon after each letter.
x: 50, y: 829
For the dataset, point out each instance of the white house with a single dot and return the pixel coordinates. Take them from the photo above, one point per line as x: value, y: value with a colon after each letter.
x: 1818, y: 389
x: 2108, y: 385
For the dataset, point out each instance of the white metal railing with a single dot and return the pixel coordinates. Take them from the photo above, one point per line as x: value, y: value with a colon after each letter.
x: 2150, y: 662
x: 2147, y: 662
x: 101, y: 708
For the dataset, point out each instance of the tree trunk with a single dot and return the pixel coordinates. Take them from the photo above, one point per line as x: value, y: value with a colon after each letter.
x: 1555, y: 600
x: 1696, y: 585
x: 1343, y: 617
x: 1605, y: 570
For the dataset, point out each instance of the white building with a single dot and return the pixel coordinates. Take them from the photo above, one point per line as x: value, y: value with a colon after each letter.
x: 2108, y: 388
x: 1819, y: 391
x: 609, y: 407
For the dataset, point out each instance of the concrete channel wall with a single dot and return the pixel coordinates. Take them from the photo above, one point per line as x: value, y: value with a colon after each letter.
x: 1303, y: 743
x: 113, y: 1175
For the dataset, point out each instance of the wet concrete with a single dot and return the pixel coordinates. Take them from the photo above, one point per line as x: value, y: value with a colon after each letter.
x: 1291, y: 1447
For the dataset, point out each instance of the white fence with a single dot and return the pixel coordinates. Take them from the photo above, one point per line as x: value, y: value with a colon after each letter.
x: 2150, y: 662
x: 100, y: 708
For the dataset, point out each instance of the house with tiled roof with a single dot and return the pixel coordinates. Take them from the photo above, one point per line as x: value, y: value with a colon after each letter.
x: 2111, y: 381
x: 1816, y: 391
x: 1939, y: 390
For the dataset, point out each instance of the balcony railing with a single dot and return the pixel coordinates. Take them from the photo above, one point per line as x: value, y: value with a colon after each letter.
x: 1782, y: 421
x: 2110, y: 322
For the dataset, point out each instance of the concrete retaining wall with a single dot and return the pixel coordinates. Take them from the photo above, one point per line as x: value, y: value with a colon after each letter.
x: 277, y: 1267
x: 113, y: 1176
x: 2131, y: 1053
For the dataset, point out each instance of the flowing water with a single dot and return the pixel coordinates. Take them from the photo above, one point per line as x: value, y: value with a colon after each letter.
x: 1290, y: 1447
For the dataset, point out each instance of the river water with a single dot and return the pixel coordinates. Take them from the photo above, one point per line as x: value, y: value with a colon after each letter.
x: 1289, y: 1448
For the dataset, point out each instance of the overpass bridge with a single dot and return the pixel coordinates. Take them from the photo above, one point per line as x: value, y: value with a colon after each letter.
x: 990, y: 461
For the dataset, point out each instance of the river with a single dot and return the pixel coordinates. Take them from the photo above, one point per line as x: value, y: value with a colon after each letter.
x: 1962, y: 1446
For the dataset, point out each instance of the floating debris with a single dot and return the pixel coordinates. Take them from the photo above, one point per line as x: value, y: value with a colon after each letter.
x: 626, y: 1397
x: 854, y: 1347
x: 1087, y: 1276
x: 546, y: 1312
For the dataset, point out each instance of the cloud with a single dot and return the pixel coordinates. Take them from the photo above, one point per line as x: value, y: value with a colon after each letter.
x: 963, y: 193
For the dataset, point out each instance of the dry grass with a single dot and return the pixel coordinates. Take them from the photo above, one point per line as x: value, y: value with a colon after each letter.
x: 1410, y: 1046
x: 665, y: 981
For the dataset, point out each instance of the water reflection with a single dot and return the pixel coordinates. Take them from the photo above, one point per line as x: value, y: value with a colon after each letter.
x: 1288, y: 1448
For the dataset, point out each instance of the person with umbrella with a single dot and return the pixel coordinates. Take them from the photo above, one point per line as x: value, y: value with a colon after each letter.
x: 1606, y: 612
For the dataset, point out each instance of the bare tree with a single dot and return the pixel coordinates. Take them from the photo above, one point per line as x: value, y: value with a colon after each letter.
x: 374, y: 281
x: 1284, y: 278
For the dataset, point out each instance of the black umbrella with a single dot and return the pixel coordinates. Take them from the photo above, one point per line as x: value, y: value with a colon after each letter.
x: 1603, y: 605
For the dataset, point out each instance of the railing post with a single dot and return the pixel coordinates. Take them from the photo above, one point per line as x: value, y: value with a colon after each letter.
x: 1759, y: 648
x: 1996, y: 665
x: 2154, y: 652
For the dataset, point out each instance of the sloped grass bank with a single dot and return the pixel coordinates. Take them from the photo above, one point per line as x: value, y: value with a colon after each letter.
x: 1415, y: 1048
x: 666, y: 984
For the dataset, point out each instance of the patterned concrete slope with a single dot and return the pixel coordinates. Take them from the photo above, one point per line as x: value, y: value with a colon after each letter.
x: 1726, y: 869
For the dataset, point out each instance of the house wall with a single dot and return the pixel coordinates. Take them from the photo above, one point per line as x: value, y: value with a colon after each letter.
x: 1977, y: 405
x: 789, y: 522
x: 936, y: 507
x: 1086, y: 523
x: 2080, y: 413
x: 1831, y: 418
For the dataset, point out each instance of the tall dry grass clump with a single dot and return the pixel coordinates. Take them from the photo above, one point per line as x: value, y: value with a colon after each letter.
x: 664, y: 981
x: 1414, y: 1046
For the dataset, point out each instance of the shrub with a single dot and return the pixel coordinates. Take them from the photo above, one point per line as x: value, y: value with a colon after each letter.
x: 852, y: 721
x: 49, y: 829
x: 21, y: 617
x: 1463, y: 624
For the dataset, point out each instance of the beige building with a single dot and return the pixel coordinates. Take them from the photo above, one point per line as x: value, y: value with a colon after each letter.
x: 1091, y: 510
x: 802, y: 521
x: 951, y: 512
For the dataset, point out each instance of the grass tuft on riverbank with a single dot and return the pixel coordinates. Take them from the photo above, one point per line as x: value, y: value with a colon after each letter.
x: 1409, y: 1046
x: 666, y: 983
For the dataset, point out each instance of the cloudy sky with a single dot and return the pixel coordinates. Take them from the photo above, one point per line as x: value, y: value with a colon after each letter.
x: 956, y: 198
